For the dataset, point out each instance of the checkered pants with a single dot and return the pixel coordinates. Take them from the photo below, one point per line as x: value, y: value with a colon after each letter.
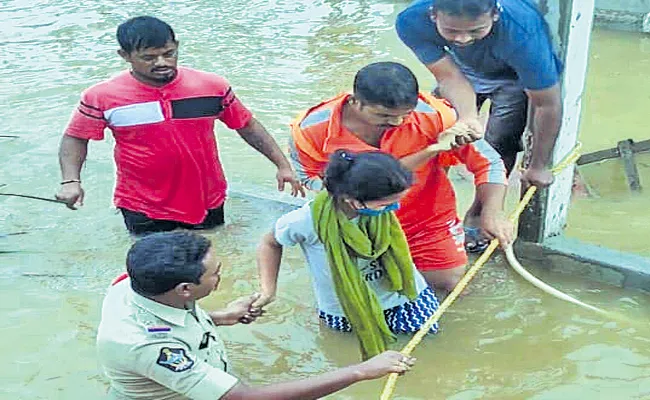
x: 407, y: 318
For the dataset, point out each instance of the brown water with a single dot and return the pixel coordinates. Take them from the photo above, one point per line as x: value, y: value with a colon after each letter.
x: 617, y: 96
x: 505, y: 341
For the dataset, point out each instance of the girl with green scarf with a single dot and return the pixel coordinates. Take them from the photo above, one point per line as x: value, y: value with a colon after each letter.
x: 362, y: 272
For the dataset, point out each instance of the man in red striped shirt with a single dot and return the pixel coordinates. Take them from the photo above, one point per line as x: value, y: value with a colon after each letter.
x: 162, y: 116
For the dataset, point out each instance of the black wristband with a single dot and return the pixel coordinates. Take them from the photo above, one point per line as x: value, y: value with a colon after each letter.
x: 70, y: 181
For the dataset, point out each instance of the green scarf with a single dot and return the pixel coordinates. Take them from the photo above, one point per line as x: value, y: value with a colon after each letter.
x: 379, y: 237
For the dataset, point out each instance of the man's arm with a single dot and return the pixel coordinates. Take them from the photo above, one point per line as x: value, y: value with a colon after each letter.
x: 415, y: 160
x: 307, y: 168
x: 327, y: 383
x: 87, y: 122
x: 258, y: 138
x: 493, y: 220
x: 490, y: 180
x: 492, y: 197
x: 547, y: 119
x: 458, y: 135
x: 72, y: 155
x: 238, y: 311
x: 454, y: 86
x: 538, y: 68
x: 173, y: 365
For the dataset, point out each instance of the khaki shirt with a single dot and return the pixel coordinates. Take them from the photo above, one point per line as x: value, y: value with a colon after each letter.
x: 152, y: 351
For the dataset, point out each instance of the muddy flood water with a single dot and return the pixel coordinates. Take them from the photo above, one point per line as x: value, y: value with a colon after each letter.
x: 506, y: 340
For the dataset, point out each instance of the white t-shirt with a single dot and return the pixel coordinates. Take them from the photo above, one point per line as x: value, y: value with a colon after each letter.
x: 297, y: 227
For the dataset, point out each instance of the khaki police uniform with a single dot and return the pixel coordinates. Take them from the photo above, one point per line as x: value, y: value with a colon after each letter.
x: 152, y: 351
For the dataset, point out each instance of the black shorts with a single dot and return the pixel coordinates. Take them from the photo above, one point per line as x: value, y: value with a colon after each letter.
x: 138, y: 223
x: 507, y: 121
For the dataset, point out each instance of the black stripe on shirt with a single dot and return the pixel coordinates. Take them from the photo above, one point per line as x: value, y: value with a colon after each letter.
x: 228, y: 98
x: 89, y: 106
x: 197, y: 107
x: 89, y: 115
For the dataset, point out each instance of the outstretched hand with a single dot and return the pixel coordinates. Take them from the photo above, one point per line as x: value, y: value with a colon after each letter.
x: 386, y: 363
x: 240, y: 310
x: 287, y: 175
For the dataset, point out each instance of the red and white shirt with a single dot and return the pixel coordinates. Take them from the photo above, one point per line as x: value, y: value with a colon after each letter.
x: 166, y: 153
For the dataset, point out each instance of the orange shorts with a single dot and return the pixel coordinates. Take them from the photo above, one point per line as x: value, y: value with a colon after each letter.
x: 441, y: 248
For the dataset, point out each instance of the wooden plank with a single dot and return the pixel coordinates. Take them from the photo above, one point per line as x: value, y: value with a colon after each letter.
x: 602, y: 155
x: 596, y: 156
x: 631, y: 172
x: 641, y: 146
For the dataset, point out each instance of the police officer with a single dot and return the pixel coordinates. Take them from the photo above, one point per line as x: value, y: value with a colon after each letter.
x: 155, y: 342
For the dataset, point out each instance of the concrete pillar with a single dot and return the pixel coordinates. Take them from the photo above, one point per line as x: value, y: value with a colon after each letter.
x: 570, y: 22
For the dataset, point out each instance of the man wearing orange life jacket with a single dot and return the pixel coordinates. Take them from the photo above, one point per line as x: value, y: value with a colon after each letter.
x: 385, y: 112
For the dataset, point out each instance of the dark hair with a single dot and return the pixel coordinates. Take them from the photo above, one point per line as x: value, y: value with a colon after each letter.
x: 365, y: 176
x: 160, y: 261
x: 387, y: 84
x: 144, y: 32
x: 464, y: 8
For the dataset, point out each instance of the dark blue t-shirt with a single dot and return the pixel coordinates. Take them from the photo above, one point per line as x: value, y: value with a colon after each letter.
x: 517, y: 50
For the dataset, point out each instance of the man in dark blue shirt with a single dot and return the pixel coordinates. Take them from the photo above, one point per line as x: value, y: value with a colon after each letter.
x: 498, y: 50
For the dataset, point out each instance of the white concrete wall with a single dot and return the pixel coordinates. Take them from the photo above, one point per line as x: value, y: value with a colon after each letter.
x: 575, y: 61
x: 570, y: 22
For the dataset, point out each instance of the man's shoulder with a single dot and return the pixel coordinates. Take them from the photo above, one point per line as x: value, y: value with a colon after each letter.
x: 297, y: 227
x: 434, y: 111
x: 428, y: 104
x: 319, y: 115
x: 415, y: 17
x: 300, y: 215
x: 120, y: 339
x: 204, y: 77
x: 520, y: 18
x: 316, y: 117
x: 113, y: 84
x: 122, y: 320
x: 416, y: 9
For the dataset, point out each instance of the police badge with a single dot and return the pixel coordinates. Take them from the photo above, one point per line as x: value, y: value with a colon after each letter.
x: 175, y: 360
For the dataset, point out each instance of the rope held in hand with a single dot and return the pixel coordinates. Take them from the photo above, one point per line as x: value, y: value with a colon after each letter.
x: 389, y: 387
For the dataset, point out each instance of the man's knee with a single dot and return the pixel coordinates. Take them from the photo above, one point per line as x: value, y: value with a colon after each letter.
x: 444, y: 279
x: 452, y: 278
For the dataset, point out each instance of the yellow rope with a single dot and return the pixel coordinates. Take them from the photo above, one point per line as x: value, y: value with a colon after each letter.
x: 389, y: 387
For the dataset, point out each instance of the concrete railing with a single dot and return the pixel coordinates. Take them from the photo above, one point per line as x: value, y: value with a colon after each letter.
x: 634, y: 21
